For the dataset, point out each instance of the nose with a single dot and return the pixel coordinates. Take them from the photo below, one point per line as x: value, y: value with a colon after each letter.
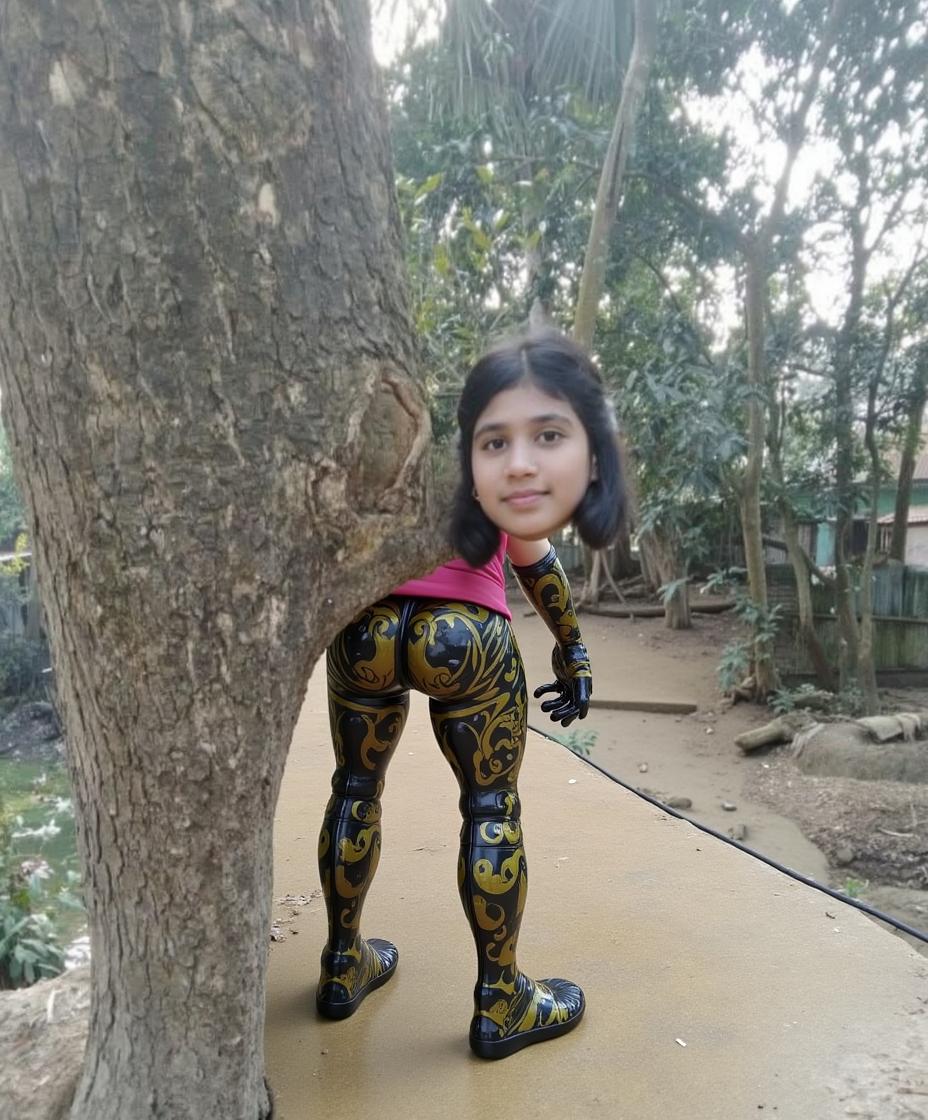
x: 521, y: 460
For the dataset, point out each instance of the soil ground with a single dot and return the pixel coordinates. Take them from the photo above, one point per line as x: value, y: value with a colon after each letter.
x: 865, y: 838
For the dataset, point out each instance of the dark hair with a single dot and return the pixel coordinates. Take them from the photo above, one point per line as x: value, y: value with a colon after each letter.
x: 563, y: 369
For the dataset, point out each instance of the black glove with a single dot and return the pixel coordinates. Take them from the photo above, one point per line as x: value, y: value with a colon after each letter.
x: 573, y: 686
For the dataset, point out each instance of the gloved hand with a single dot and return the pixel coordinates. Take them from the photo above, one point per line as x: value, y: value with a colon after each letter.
x: 573, y: 685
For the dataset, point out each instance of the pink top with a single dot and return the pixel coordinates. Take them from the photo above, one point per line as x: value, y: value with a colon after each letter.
x: 457, y: 580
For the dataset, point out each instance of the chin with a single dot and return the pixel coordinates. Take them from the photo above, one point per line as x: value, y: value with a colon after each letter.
x: 535, y: 531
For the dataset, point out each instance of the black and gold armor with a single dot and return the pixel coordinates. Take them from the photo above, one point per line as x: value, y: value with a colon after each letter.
x: 465, y: 659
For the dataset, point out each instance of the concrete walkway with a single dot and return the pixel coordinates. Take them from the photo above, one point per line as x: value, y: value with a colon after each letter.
x: 717, y: 988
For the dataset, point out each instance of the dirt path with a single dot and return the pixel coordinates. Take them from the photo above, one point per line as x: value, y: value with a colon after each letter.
x: 694, y: 756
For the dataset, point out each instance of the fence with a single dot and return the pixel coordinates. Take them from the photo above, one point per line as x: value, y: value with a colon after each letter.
x: 900, y: 619
x: 20, y: 613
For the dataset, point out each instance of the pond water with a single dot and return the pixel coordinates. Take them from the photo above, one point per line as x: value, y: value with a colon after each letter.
x: 36, y: 799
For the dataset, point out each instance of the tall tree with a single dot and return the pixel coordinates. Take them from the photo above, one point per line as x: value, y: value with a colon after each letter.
x: 913, y: 441
x: 210, y: 384
x: 758, y: 267
x: 609, y: 191
x: 592, y: 277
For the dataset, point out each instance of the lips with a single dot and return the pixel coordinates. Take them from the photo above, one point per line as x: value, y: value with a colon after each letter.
x: 522, y: 499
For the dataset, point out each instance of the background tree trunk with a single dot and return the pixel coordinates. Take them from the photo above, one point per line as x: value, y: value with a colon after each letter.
x: 606, y: 209
x: 866, y: 666
x: 757, y: 265
x: 208, y: 374
x: 801, y: 564
x: 910, y: 448
x: 757, y: 258
x: 610, y: 180
x: 824, y: 674
x: 845, y: 496
x: 665, y: 554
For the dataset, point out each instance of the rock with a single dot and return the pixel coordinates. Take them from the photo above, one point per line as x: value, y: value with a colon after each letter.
x: 679, y: 803
x: 844, y: 855
x: 43, y: 1030
x: 845, y: 750
x: 899, y: 725
x: 643, y: 768
x: 738, y: 831
x: 729, y: 806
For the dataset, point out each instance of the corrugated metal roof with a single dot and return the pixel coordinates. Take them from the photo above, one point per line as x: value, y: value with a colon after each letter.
x: 918, y: 515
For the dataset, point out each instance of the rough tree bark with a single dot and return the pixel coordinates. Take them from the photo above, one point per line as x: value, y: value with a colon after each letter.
x: 208, y: 374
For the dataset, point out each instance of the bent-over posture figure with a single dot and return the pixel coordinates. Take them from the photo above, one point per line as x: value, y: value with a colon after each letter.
x: 537, y: 448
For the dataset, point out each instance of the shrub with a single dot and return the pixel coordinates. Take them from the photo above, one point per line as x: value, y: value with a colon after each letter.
x: 21, y: 663
x: 30, y: 949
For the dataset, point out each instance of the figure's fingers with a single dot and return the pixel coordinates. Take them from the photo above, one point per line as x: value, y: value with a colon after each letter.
x: 564, y: 709
x: 554, y: 686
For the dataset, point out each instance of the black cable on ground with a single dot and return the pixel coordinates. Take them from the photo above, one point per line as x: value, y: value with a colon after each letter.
x: 920, y: 935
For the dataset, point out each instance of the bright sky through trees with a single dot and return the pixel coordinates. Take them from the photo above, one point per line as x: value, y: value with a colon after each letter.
x: 759, y: 157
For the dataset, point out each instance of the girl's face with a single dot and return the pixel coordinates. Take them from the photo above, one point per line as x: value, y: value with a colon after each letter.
x: 531, y: 461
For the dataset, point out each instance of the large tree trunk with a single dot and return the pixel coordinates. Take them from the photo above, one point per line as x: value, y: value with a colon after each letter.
x: 866, y: 665
x: 910, y: 448
x: 756, y: 261
x: 207, y: 369
x: 665, y: 553
x: 799, y: 560
x: 845, y: 497
x: 824, y: 674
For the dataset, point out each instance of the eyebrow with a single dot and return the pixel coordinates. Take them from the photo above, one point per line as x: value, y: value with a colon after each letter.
x: 546, y: 418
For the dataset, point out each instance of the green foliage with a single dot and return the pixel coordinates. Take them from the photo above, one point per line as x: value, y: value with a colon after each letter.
x: 12, y: 513
x: 581, y: 741
x: 30, y: 948
x: 849, y: 702
x: 39, y: 905
x: 12, y: 591
x: 854, y: 888
x: 762, y: 624
x: 734, y: 664
x: 22, y: 661
x: 789, y: 699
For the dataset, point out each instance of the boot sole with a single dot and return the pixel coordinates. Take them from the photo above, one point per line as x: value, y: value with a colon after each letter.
x: 493, y: 1049
x: 349, y: 1007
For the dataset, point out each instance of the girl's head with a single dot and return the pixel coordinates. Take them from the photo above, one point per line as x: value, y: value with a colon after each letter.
x: 538, y: 448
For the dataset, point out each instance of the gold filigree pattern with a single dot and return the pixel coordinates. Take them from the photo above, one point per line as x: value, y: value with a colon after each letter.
x: 465, y: 659
x: 546, y: 588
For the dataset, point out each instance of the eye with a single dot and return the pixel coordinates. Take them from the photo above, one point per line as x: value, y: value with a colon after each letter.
x: 550, y: 435
x: 494, y: 443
